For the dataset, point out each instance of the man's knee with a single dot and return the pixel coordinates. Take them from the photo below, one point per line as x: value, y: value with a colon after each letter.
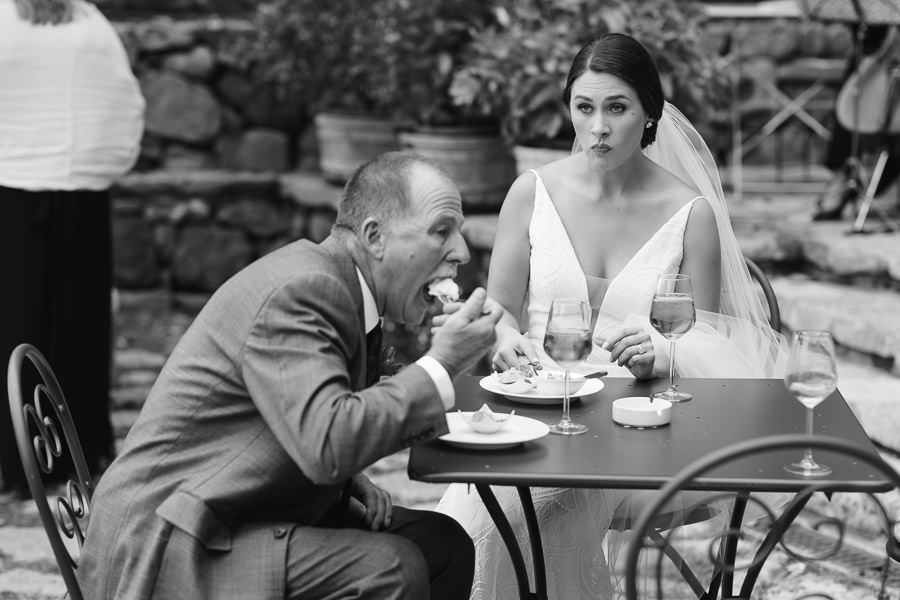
x: 458, y: 543
x: 451, y: 557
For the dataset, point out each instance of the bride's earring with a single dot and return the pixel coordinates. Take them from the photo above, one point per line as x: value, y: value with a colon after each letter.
x: 649, y: 124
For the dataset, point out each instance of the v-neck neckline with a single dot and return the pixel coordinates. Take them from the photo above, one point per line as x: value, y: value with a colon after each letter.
x: 609, y: 280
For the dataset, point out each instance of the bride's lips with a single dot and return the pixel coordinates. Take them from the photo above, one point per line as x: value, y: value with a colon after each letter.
x: 600, y: 148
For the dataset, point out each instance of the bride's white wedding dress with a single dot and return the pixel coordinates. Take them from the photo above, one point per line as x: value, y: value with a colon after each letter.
x: 573, y: 522
x: 734, y: 342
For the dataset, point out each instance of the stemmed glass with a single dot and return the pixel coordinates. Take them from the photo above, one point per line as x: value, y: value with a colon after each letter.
x: 672, y: 314
x: 811, y: 377
x: 568, y: 342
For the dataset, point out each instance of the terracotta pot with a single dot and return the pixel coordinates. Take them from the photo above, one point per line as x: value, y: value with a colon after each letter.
x: 347, y: 141
x: 478, y: 161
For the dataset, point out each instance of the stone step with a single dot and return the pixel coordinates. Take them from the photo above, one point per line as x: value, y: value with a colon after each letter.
x: 862, y: 320
x: 873, y: 395
x: 866, y: 328
x: 777, y: 229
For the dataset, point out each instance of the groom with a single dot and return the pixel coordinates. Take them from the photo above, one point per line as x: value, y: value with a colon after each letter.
x: 241, y: 477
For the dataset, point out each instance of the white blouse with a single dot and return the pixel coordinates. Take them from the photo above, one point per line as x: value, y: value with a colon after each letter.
x: 71, y: 110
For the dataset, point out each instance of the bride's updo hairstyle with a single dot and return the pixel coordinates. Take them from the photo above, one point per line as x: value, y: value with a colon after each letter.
x: 624, y: 57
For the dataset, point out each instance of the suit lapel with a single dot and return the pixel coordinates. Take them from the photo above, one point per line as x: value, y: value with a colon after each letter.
x: 346, y: 270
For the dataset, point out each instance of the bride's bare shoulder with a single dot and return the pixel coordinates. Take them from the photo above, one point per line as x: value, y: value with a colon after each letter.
x: 559, y: 173
x: 668, y: 186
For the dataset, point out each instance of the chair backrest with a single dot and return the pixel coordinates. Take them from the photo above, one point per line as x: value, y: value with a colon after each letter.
x: 768, y: 292
x: 44, y: 433
x: 762, y: 523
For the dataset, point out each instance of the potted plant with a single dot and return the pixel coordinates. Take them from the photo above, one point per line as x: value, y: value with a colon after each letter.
x: 518, y: 67
x: 435, y: 37
x: 333, y: 61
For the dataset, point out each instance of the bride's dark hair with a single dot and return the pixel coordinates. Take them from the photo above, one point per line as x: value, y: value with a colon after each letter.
x: 623, y: 56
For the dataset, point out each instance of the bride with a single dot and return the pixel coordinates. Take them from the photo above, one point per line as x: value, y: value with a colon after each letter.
x: 639, y: 196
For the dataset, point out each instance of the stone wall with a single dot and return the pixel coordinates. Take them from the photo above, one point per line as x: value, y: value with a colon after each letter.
x: 204, y: 109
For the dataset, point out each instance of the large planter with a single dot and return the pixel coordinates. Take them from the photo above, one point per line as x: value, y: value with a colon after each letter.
x: 532, y: 157
x: 479, y: 162
x: 347, y: 141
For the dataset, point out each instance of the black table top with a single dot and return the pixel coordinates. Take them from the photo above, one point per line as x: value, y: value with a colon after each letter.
x: 722, y: 412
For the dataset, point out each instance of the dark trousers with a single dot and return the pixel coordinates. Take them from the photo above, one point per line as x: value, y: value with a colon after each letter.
x: 56, y: 269
x: 422, y: 554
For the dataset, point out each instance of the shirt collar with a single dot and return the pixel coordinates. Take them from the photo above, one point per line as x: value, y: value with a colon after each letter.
x: 370, y: 309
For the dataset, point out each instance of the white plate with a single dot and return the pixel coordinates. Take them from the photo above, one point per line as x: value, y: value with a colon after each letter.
x: 591, y: 386
x: 518, y: 430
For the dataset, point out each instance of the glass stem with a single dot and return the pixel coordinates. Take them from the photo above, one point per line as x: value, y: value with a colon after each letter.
x: 672, y: 365
x: 565, y: 416
x: 807, y: 454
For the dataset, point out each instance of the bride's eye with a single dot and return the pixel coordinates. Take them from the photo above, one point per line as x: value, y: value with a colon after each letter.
x: 617, y: 108
x: 585, y: 108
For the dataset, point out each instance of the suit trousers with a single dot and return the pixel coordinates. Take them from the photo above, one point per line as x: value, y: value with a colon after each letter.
x: 423, y: 554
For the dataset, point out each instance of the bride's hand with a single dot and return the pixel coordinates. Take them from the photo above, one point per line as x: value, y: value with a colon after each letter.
x: 513, y: 349
x: 631, y: 347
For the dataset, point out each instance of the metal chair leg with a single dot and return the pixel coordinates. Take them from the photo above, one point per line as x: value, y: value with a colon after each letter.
x: 869, y: 199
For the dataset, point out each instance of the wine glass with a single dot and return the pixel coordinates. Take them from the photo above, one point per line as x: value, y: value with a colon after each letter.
x: 811, y: 377
x: 672, y: 314
x: 568, y: 342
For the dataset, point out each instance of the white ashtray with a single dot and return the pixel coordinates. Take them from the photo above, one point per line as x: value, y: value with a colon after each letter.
x: 639, y: 411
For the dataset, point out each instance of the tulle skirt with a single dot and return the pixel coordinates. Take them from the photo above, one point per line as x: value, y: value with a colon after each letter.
x: 574, y: 523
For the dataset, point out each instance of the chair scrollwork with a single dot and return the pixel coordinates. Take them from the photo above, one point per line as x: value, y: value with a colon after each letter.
x: 801, y: 531
x: 38, y: 417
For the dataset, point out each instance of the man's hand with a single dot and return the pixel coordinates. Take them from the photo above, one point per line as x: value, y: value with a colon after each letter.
x: 374, y: 504
x: 466, y: 333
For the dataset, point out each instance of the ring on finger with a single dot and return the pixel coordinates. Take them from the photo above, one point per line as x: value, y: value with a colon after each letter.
x: 641, y: 349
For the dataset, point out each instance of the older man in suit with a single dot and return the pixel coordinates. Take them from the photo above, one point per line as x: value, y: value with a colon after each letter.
x: 241, y: 478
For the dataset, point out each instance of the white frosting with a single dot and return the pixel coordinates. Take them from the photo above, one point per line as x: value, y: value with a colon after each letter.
x: 444, y: 290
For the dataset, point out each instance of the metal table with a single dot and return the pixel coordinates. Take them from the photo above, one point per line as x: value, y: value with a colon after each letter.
x: 722, y: 412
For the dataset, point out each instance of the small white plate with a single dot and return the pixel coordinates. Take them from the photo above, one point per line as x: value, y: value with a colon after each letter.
x: 591, y: 386
x: 518, y: 430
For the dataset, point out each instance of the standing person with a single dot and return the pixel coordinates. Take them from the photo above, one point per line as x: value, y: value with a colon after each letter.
x: 639, y: 196
x: 71, y: 120
x: 241, y: 477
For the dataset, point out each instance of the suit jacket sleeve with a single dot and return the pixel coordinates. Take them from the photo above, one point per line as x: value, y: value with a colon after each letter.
x: 296, y: 368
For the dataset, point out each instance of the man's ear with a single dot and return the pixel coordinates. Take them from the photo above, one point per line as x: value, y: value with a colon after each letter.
x: 372, y: 237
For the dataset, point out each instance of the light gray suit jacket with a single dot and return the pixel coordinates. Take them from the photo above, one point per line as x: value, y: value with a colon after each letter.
x: 253, y: 426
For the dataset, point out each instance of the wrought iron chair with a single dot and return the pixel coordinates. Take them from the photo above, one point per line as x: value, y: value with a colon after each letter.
x: 804, y: 535
x: 771, y: 301
x: 39, y: 416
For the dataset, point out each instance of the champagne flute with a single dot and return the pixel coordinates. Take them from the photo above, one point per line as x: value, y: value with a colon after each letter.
x: 568, y: 342
x: 672, y: 314
x: 811, y: 377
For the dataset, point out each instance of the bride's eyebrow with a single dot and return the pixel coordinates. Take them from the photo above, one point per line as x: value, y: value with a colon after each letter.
x: 612, y: 98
